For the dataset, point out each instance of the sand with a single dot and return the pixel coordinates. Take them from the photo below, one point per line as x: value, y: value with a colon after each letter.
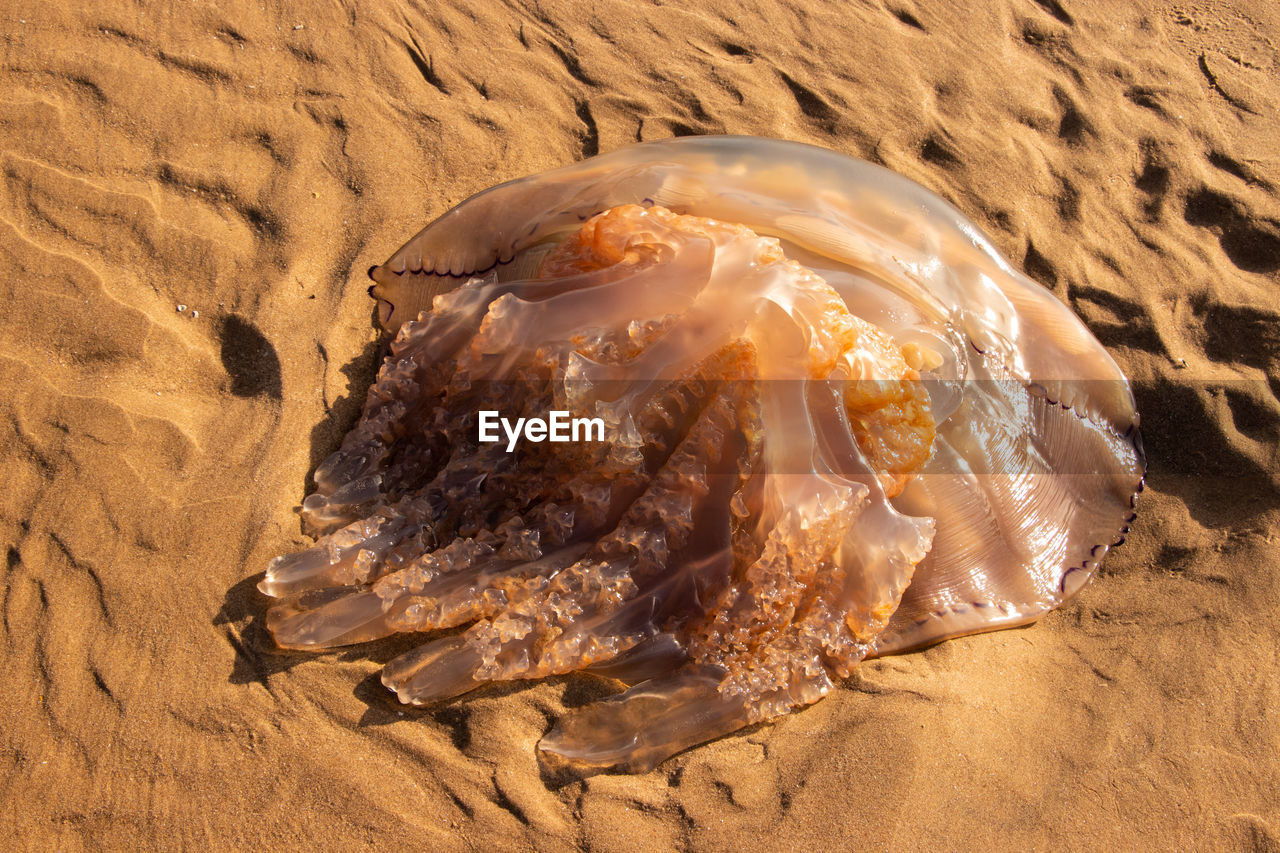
x: 189, y: 198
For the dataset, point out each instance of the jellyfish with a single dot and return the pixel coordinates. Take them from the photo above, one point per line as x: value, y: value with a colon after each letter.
x: 716, y: 418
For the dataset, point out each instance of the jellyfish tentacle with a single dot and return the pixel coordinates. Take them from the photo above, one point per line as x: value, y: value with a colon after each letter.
x: 650, y: 658
x: 612, y: 599
x: 410, y: 600
x: 413, y: 603
x: 639, y: 728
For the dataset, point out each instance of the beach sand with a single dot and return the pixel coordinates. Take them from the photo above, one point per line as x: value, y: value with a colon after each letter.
x: 189, y: 199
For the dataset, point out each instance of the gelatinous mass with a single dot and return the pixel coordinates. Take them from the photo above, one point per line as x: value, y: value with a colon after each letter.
x: 837, y: 425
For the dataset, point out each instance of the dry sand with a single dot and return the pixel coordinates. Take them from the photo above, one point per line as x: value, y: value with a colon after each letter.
x: 250, y: 160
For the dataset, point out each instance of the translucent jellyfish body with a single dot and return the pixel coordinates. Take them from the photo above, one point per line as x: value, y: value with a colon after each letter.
x: 717, y: 418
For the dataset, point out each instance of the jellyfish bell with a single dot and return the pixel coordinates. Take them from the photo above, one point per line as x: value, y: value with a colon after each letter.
x: 835, y: 424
